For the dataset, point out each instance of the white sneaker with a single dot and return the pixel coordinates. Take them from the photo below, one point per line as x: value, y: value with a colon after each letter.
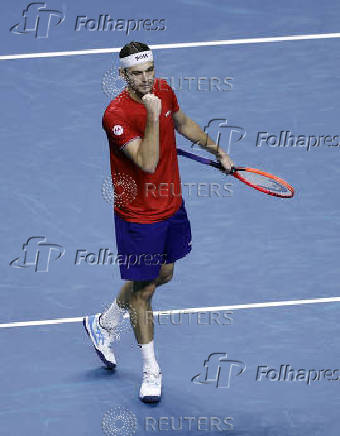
x: 101, y: 339
x: 151, y: 389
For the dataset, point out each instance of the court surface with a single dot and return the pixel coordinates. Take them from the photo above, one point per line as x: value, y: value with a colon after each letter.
x: 247, y: 247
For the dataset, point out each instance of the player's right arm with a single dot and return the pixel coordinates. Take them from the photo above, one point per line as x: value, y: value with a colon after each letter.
x: 145, y: 152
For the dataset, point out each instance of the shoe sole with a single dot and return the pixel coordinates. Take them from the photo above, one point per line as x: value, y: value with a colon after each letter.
x: 150, y: 399
x: 108, y: 364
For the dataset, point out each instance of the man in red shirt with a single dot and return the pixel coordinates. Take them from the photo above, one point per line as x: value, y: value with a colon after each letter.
x: 151, y: 224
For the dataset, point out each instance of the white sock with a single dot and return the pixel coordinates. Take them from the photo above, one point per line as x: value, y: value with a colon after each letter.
x: 111, y: 316
x: 149, y: 360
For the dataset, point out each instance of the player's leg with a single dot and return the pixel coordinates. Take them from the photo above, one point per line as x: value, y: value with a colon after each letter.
x: 140, y: 311
x: 112, y: 315
x: 141, y: 317
x: 165, y: 275
x: 135, y: 296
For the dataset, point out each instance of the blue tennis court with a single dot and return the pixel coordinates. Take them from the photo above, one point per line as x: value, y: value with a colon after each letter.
x: 255, y: 351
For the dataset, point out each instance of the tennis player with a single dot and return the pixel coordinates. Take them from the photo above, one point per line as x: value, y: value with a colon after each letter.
x: 151, y: 224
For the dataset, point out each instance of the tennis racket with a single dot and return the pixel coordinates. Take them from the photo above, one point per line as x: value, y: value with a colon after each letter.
x: 257, y: 179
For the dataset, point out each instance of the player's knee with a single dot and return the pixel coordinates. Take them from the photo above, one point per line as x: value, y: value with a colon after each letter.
x: 165, y: 278
x: 165, y: 275
x: 143, y: 290
x: 147, y: 293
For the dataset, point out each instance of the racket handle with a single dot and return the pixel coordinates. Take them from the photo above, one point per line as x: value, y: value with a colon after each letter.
x: 216, y: 165
x: 205, y: 161
x: 221, y: 168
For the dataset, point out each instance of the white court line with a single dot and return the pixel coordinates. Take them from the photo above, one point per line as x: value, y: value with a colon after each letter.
x: 53, y: 54
x: 190, y: 310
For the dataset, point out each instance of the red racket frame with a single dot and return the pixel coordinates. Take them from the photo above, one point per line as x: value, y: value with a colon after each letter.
x: 235, y: 173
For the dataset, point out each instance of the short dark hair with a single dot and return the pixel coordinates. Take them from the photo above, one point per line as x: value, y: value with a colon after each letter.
x: 133, y: 47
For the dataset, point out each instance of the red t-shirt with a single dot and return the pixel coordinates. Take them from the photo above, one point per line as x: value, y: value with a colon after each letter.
x: 140, y: 196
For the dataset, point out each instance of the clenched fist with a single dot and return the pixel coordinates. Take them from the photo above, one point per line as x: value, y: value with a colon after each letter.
x: 153, y: 105
x: 225, y: 160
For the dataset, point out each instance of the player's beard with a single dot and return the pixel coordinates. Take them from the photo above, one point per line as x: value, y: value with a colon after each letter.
x: 144, y: 89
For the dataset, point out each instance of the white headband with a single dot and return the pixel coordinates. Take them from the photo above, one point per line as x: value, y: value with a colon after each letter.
x: 136, y: 58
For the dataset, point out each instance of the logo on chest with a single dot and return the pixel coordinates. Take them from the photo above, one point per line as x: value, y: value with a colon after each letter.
x: 118, y: 130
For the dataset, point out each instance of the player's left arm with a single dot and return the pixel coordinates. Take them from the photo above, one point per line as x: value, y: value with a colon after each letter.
x: 192, y: 131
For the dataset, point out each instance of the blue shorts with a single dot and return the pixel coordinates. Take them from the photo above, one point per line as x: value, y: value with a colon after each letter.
x: 143, y: 248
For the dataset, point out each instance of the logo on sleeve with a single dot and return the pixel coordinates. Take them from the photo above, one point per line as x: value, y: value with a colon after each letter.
x: 118, y: 130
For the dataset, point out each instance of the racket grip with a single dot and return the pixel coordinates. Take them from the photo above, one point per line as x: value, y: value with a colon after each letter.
x: 216, y: 165
x: 219, y: 166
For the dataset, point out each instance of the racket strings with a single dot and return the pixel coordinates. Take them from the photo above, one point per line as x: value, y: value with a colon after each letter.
x: 267, y: 183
